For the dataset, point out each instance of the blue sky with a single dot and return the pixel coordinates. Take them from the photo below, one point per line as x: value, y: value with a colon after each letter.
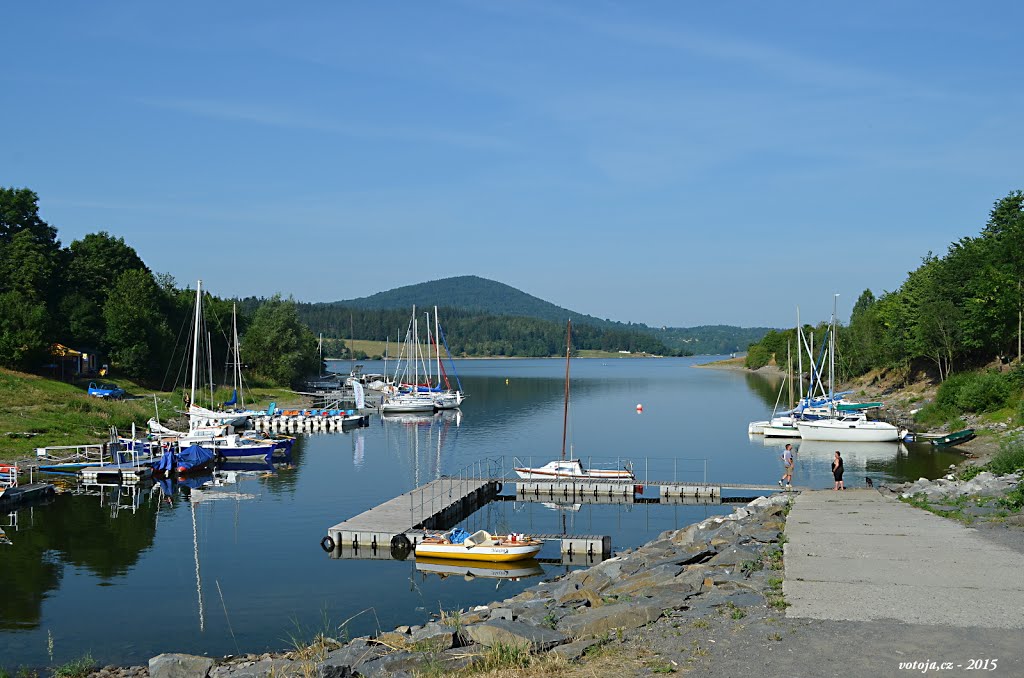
x: 659, y: 162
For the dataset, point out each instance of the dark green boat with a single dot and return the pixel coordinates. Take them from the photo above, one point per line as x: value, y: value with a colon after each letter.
x: 954, y: 438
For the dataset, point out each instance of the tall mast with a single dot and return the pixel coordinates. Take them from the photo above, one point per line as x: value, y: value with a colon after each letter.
x: 800, y: 352
x: 195, y: 339
x: 437, y: 347
x: 832, y: 352
x: 789, y: 372
x: 565, y: 415
x: 416, y: 357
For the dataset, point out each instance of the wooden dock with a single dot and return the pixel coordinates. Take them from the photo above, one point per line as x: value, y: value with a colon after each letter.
x: 436, y: 505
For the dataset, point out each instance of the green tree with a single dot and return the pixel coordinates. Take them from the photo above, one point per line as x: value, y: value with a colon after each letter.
x: 277, y: 346
x: 23, y: 332
x: 1006, y: 230
x: 95, y: 263
x: 136, y: 329
x: 28, y: 267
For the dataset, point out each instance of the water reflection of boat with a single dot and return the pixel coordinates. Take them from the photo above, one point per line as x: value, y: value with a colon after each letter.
x: 854, y: 453
x: 558, y: 506
x: 471, y: 569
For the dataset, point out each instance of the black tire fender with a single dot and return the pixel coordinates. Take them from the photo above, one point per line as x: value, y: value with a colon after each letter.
x: 327, y: 544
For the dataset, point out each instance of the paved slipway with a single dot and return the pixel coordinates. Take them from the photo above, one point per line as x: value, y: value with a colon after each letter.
x: 874, y: 583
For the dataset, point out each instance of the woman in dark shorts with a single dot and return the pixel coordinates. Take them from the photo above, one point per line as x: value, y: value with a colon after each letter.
x: 837, y: 472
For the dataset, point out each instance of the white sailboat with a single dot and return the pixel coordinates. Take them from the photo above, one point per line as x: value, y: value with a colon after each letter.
x: 571, y: 469
x: 413, y: 400
x: 845, y: 427
x: 449, y: 398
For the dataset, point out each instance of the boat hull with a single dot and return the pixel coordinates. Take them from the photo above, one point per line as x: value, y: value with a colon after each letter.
x: 495, y: 554
x: 864, y: 432
x: 541, y: 474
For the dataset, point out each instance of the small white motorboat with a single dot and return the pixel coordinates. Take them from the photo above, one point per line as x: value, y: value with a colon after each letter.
x: 480, y: 545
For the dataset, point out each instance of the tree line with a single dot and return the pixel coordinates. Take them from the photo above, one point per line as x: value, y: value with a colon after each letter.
x: 955, y: 312
x: 97, y: 295
x: 474, y: 333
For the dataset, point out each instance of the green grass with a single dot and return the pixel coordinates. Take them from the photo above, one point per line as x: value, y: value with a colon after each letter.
x: 78, y: 668
x: 40, y: 412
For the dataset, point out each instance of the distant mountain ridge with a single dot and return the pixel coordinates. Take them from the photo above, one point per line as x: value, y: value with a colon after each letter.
x: 473, y: 293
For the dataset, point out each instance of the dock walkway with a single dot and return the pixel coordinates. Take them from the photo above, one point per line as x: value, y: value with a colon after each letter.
x: 430, y: 506
x: 859, y: 556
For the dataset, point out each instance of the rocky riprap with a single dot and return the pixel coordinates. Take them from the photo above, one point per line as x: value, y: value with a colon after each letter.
x: 715, y: 569
x: 979, y: 499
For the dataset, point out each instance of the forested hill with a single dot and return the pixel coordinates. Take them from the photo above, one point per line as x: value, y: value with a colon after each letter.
x: 478, y: 295
x: 473, y: 293
x: 709, y: 339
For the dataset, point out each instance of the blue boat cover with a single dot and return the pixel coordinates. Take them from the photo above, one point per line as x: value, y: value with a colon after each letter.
x: 458, y: 535
x: 190, y: 457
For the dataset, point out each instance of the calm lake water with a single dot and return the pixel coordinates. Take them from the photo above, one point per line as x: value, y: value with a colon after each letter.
x: 240, y: 569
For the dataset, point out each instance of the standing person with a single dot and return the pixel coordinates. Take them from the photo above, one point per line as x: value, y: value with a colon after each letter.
x: 787, y: 460
x: 837, y: 472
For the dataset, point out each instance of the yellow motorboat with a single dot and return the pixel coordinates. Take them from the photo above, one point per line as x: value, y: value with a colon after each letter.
x: 480, y: 545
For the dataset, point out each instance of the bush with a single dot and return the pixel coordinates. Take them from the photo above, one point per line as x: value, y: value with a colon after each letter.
x: 1010, y: 457
x: 757, y: 356
x: 949, y: 390
x: 934, y: 415
x: 983, y: 392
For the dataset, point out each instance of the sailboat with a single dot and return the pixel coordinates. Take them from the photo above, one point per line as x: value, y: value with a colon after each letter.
x: 213, y: 430
x: 412, y: 400
x: 571, y: 469
x: 448, y: 398
x: 846, y: 424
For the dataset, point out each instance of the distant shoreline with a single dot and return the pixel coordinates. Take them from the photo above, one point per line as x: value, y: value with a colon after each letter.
x: 739, y: 365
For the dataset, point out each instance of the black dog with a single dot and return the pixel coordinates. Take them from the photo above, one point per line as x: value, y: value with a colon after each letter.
x: 869, y: 482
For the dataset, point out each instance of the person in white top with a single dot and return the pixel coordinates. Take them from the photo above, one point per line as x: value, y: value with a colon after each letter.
x: 787, y: 460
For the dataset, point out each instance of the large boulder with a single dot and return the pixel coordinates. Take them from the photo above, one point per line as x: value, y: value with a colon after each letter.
x: 605, y: 619
x: 514, y: 633
x: 173, y: 665
x: 351, y: 657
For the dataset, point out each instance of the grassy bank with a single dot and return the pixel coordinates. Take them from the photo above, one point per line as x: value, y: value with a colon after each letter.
x: 40, y: 412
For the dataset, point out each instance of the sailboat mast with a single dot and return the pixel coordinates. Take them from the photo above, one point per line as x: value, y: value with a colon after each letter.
x: 565, y: 415
x: 437, y: 346
x: 789, y: 371
x: 416, y: 356
x: 800, y: 352
x: 832, y: 353
x: 195, y: 339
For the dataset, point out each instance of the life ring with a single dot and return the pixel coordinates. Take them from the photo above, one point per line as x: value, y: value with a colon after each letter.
x: 327, y: 544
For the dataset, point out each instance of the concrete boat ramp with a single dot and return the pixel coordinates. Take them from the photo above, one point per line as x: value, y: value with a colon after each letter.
x: 856, y: 555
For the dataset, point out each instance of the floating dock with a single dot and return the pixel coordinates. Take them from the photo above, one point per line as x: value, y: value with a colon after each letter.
x: 435, y: 505
x: 392, y: 529
x: 116, y: 474
x: 24, y: 494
